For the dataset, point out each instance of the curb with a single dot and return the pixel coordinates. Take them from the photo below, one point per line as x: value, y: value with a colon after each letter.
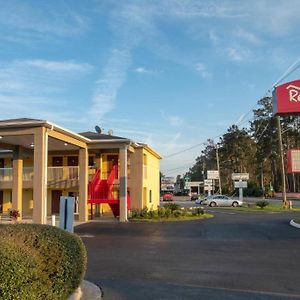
x: 292, y: 223
x: 87, y: 291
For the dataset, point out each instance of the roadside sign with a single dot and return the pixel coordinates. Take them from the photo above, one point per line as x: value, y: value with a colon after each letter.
x: 240, y: 176
x: 189, y: 184
x: 240, y: 184
x: 212, y: 174
x: 187, y: 178
x: 208, y: 182
x: 208, y: 188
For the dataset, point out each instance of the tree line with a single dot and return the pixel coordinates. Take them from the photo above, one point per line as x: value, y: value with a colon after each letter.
x: 253, y: 150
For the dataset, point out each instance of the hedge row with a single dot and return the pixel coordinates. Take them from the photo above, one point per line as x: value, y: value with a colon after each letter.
x: 39, y: 262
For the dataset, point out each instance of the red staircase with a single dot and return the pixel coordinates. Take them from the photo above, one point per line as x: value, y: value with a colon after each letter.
x: 101, y: 191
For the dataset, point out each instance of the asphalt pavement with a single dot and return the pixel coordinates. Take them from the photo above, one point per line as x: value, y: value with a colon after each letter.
x: 236, y: 255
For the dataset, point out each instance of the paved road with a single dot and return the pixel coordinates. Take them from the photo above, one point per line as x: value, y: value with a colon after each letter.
x: 236, y: 255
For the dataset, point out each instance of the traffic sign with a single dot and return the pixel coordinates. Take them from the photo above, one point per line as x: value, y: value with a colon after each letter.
x: 240, y: 184
x: 240, y: 176
x: 208, y: 188
x: 208, y: 182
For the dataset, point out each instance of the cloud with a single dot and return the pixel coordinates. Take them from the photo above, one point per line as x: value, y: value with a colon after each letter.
x: 248, y: 36
x: 108, y: 85
x: 202, y: 70
x: 142, y: 70
x: 28, y: 87
x: 56, y: 66
x: 43, y: 19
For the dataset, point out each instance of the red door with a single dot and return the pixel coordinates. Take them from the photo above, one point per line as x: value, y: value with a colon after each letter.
x: 55, y: 201
x: 1, y: 202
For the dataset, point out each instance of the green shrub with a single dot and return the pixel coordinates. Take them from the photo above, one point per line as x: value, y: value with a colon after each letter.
x: 177, y: 213
x: 161, y: 211
x: 172, y: 206
x: 144, y: 212
x: 262, y: 203
x: 135, y: 213
x: 168, y: 212
x: 198, y: 211
x: 39, y: 262
x: 152, y: 214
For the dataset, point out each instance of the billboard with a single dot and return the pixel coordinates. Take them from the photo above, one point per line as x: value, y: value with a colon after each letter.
x: 212, y: 174
x: 240, y: 176
x: 293, y: 161
x: 286, y: 98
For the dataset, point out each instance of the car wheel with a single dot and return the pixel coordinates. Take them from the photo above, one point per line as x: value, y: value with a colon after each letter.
x: 235, y: 204
x: 213, y: 204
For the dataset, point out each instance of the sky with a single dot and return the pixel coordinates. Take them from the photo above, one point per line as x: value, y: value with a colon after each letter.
x: 169, y: 73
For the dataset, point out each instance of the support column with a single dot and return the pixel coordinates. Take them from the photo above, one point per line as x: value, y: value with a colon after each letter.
x: 83, y: 185
x: 40, y: 176
x: 123, y: 184
x: 17, y: 187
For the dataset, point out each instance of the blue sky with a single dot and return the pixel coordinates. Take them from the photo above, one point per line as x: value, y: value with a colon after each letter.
x: 168, y: 73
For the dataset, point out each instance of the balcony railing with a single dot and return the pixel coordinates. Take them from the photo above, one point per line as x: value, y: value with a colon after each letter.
x: 6, y: 174
x: 54, y: 173
x: 63, y: 173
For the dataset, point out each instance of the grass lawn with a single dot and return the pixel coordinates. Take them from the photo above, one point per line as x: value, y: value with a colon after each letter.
x: 267, y: 209
x: 297, y: 220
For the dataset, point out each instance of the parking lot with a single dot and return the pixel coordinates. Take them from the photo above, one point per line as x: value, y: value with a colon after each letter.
x: 236, y: 255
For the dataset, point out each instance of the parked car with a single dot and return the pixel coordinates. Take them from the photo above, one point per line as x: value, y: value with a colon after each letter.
x: 221, y: 200
x: 168, y: 197
x: 200, y: 200
x: 194, y: 197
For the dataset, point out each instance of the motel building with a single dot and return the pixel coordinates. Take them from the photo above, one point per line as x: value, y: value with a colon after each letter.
x: 41, y: 161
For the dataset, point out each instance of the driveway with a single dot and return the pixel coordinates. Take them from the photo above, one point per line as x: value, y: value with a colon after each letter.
x: 236, y: 255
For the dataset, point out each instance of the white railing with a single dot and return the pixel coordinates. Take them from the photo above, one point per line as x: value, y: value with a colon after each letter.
x: 63, y: 173
x: 28, y: 173
x: 54, y: 173
x: 6, y: 174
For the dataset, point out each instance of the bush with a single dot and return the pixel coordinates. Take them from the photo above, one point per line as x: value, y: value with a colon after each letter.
x: 39, y: 262
x: 198, y: 211
x: 172, y: 206
x: 262, y: 203
x: 177, y: 213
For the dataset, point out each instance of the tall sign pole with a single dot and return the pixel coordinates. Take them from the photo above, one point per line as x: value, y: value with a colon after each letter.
x: 283, y: 183
x: 218, y: 166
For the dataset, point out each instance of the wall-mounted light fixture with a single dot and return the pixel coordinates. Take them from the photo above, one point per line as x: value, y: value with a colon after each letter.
x: 32, y: 145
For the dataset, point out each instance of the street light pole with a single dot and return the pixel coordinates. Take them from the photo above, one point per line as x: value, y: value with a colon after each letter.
x: 218, y: 166
x: 283, y: 183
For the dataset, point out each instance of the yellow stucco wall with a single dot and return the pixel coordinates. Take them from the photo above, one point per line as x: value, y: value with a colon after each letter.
x: 6, y: 200
x: 144, y: 179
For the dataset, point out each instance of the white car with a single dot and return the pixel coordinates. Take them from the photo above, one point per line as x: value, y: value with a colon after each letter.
x: 221, y: 200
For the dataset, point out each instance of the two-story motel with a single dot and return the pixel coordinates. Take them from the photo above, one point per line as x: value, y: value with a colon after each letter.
x: 41, y: 161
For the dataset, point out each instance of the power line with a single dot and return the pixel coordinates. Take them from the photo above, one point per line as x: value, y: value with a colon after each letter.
x: 289, y: 71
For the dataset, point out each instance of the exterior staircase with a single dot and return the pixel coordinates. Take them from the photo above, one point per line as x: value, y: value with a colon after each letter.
x: 101, y: 191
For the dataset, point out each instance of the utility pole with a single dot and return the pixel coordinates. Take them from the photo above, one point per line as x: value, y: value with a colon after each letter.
x: 218, y: 166
x: 283, y: 183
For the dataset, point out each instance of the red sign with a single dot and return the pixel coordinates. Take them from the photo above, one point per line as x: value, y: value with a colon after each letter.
x: 286, y: 98
x: 293, y: 161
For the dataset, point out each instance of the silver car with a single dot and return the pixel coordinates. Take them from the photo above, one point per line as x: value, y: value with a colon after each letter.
x: 221, y: 200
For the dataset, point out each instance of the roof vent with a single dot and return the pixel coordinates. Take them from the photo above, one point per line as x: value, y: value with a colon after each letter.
x: 110, y: 132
